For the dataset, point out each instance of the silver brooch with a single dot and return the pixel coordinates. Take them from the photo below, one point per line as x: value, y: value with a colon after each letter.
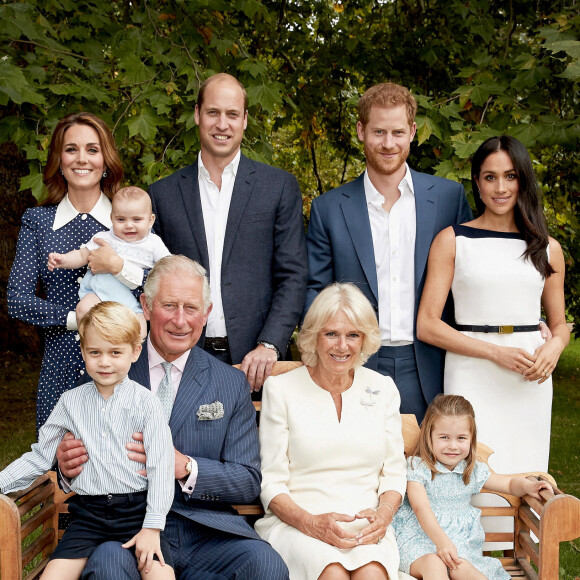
x: 370, y: 401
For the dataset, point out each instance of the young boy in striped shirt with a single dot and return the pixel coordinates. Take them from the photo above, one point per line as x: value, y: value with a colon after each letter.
x: 113, y: 501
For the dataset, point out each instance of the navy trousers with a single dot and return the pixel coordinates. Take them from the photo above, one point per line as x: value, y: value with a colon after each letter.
x: 198, y: 553
x: 399, y: 363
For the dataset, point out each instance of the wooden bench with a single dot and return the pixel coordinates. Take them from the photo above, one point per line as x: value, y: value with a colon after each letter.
x: 29, y: 521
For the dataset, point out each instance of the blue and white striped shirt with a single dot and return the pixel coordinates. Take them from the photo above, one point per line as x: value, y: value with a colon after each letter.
x: 105, y: 426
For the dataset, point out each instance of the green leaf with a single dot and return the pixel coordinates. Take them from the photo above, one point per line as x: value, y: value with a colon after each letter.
x: 265, y: 95
x: 464, y: 145
x: 479, y: 95
x: 426, y: 127
x: 256, y: 69
x: 34, y: 182
x: 570, y: 47
x: 136, y: 71
x: 15, y: 87
x: 527, y: 134
x: 572, y: 71
x: 144, y: 124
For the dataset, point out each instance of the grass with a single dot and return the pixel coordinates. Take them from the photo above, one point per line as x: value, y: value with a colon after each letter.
x: 19, y: 378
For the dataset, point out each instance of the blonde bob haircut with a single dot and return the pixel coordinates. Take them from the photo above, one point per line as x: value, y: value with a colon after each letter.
x: 349, y: 300
x: 446, y: 406
x: 114, y: 322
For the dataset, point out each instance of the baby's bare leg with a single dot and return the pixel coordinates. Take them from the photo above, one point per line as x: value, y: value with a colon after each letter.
x: 143, y: 324
x: 158, y: 572
x: 61, y: 569
x: 85, y: 304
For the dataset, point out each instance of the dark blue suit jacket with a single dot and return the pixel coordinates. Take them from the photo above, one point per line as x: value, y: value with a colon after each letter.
x: 226, y: 449
x: 340, y: 249
x: 264, y: 258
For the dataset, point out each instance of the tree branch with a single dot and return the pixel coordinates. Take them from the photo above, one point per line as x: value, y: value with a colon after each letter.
x: 50, y: 49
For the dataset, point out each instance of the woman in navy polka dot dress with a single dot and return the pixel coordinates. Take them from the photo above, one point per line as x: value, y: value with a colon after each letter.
x: 82, y: 173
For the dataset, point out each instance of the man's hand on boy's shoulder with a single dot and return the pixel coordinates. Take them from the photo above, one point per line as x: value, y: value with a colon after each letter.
x: 71, y: 454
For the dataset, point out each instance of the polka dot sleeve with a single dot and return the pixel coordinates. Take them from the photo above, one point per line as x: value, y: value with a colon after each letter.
x: 29, y: 264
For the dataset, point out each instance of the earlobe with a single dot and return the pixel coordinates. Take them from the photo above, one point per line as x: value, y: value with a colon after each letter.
x: 144, y: 306
x: 136, y: 352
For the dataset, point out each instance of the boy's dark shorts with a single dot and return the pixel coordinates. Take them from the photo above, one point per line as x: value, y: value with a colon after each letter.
x: 96, y: 519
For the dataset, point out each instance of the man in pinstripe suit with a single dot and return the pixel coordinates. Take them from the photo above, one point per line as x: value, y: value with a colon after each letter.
x: 214, y: 434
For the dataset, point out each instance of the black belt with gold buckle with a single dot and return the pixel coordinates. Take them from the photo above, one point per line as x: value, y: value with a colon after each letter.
x: 217, y: 343
x: 504, y: 329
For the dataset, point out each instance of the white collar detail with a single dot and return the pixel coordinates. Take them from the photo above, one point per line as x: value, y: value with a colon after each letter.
x: 66, y: 212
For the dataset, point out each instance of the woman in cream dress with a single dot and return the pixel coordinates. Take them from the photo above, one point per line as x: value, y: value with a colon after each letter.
x: 333, y: 462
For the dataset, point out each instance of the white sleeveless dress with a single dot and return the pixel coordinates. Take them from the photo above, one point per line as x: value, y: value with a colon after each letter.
x: 494, y: 285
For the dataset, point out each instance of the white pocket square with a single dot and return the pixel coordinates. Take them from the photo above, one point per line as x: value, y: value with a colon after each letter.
x: 210, y: 412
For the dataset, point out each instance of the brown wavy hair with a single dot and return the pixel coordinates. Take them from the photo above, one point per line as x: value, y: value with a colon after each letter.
x: 528, y: 212
x: 446, y: 406
x: 53, y: 180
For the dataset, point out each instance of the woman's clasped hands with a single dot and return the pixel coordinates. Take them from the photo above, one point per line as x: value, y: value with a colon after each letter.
x: 345, y: 531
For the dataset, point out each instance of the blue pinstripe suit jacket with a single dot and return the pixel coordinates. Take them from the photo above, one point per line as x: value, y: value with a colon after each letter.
x: 226, y: 449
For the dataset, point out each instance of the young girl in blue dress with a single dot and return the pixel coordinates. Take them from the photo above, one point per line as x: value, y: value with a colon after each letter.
x: 438, y: 531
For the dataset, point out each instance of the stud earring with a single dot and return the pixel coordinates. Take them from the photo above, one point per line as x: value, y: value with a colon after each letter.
x: 104, y: 174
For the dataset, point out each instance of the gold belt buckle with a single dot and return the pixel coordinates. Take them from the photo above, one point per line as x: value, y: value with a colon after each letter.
x: 506, y: 329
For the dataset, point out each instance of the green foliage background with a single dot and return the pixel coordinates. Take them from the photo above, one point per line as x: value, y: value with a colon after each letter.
x: 478, y: 68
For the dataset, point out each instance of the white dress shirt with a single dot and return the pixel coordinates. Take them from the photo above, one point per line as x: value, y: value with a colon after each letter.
x: 131, y: 275
x: 215, y: 205
x: 394, y: 248
x: 156, y: 374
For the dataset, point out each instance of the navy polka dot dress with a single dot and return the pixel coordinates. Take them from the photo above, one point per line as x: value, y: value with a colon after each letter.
x: 62, y: 364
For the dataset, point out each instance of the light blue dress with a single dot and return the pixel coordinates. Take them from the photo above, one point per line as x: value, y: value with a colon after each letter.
x: 450, y: 501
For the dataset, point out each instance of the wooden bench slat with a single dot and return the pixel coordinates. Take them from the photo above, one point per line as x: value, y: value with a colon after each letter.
x: 531, y: 520
x: 44, y: 540
x: 488, y: 511
x: 45, y: 492
x: 40, y: 517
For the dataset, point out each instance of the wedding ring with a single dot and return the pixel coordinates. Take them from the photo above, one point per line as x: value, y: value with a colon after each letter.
x: 545, y: 373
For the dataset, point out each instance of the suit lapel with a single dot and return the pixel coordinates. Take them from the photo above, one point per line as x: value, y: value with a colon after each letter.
x: 193, y: 384
x: 426, y: 202
x: 356, y: 216
x: 189, y: 188
x: 243, y: 186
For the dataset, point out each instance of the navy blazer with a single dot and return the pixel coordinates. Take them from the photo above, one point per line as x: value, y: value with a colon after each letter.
x: 264, y: 265
x: 226, y: 450
x: 340, y: 249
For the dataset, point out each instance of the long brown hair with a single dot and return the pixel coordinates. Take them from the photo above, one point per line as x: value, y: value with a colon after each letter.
x: 53, y: 180
x: 446, y: 406
x: 528, y: 212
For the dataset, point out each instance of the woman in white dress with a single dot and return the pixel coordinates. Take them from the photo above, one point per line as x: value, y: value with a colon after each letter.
x: 501, y: 269
x: 333, y: 464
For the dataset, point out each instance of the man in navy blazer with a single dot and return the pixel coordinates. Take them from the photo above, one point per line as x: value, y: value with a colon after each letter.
x: 376, y: 232
x: 213, y: 425
x: 242, y: 221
